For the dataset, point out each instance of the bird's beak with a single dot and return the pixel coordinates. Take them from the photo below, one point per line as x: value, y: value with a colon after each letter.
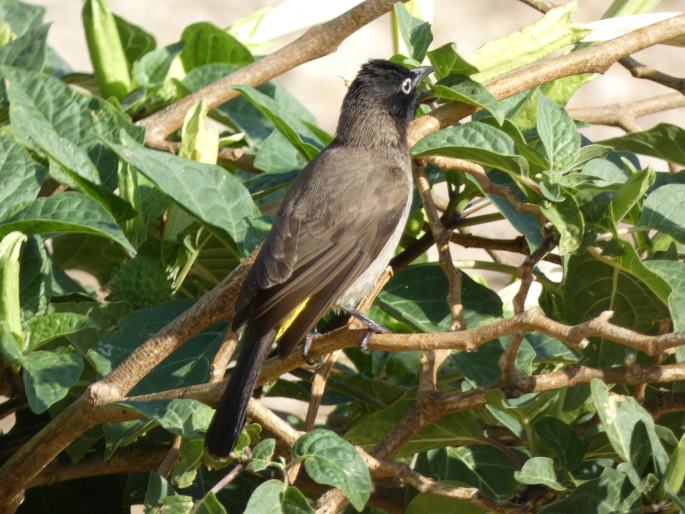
x: 420, y: 73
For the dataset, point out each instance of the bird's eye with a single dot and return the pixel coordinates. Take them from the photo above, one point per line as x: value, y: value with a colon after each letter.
x: 406, y: 86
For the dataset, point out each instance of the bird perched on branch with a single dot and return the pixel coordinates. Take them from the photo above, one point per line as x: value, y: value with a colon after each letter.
x: 334, y: 234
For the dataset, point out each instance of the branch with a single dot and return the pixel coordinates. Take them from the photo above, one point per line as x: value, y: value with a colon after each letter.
x: 318, y: 41
x: 507, y: 361
x: 643, y: 71
x: 134, y: 459
x: 623, y: 116
x: 540, y: 5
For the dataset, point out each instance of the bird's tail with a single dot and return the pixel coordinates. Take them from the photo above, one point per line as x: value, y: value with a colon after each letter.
x: 229, y: 417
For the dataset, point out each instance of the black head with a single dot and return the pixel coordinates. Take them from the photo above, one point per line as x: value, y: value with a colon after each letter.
x: 390, y: 85
x: 382, y: 95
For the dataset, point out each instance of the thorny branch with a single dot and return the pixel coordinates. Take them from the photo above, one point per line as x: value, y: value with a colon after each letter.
x: 97, y: 406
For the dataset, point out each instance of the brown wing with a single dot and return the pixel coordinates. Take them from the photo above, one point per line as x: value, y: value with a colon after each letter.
x: 338, y: 215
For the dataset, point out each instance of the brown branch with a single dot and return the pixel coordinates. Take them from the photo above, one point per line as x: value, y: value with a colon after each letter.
x: 643, y: 71
x: 217, y: 370
x: 318, y: 41
x: 134, y: 459
x: 442, y: 241
x: 623, y: 116
x: 507, y: 361
x: 540, y: 5
x: 515, y: 245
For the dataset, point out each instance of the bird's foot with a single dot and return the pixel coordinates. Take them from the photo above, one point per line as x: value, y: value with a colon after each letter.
x: 373, y: 327
x: 306, y: 347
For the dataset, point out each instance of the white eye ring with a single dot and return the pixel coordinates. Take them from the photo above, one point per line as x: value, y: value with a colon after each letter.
x: 406, y: 86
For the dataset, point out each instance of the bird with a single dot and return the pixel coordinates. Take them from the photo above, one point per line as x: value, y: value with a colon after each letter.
x: 333, y: 236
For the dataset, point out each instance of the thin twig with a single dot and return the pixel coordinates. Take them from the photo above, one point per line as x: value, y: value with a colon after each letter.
x: 540, y: 5
x: 643, y: 71
x: 507, y: 361
x: 624, y: 115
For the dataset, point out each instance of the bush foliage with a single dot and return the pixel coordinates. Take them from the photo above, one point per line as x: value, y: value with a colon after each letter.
x: 149, y: 232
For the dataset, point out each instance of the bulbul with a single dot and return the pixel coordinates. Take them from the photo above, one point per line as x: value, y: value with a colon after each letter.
x: 334, y: 234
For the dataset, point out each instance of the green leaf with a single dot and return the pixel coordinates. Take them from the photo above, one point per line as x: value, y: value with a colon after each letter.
x: 155, y: 67
x: 675, y: 473
x: 663, y: 211
x: 69, y: 163
x: 28, y: 51
x: 447, y: 61
x: 625, y: 257
x: 560, y: 439
x: 48, y: 376
x: 21, y: 16
x: 105, y: 48
x: 35, y: 277
x: 416, y: 295
x: 673, y: 272
x: 66, y: 212
x: 76, y: 117
x: 330, y: 460
x: 181, y: 417
x: 190, y: 459
x: 558, y: 133
x: 209, y: 192
x: 621, y: 417
x: 568, y: 220
x: 539, y: 470
x: 205, y: 43
x: 423, y: 503
x: 630, y: 193
x: 474, y: 141
x: 478, y: 466
x: 634, y: 305
x: 240, y: 113
x: 43, y: 329
x: 266, y: 499
x: 290, y: 126
x: 209, y: 505
x: 465, y: 90
x: 294, y: 502
x: 665, y: 141
x: 135, y: 41
x: 276, y: 155
x: 262, y: 453
x: 20, y: 177
x: 416, y: 33
x: 158, y: 488
x: 601, y: 495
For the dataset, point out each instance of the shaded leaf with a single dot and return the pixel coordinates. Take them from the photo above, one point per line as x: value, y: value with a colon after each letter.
x: 209, y: 192
x: 28, y: 51
x: 465, y: 90
x: 663, y: 211
x: 20, y: 177
x: 665, y: 141
x: 48, y: 376
x: 561, y: 439
x: 539, y: 470
x: 66, y: 212
x: 330, y: 460
x: 43, y: 329
x: 135, y: 41
x: 181, y: 417
x: 447, y: 61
